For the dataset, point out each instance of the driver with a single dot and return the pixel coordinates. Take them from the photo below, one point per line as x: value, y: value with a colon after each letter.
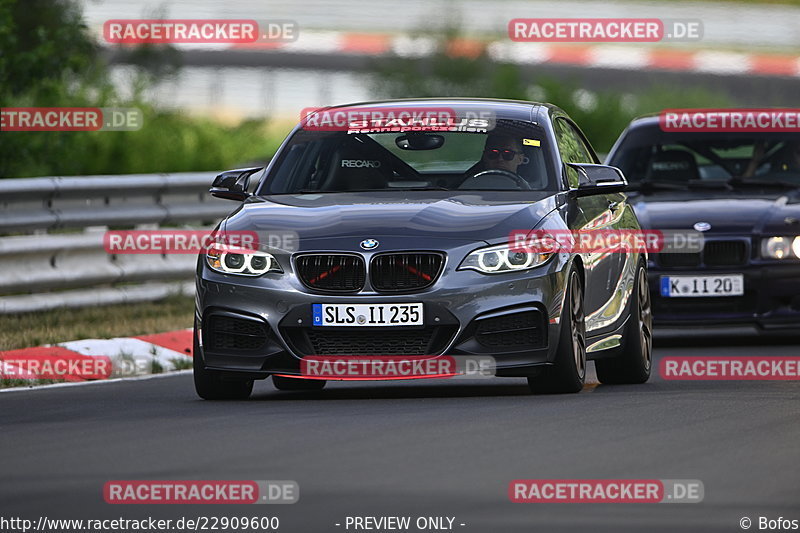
x: 501, y: 152
x: 787, y: 159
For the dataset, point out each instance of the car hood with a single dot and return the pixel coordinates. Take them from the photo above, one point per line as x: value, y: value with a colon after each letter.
x: 418, y: 217
x: 726, y: 211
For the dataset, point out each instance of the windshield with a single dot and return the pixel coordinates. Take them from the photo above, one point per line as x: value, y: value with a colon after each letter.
x: 510, y: 156
x: 707, y: 158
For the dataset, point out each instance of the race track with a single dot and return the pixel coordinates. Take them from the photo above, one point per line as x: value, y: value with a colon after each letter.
x: 432, y: 448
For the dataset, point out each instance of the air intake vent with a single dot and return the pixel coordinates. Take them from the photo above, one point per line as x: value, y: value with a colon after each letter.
x: 224, y: 333
x: 514, y: 330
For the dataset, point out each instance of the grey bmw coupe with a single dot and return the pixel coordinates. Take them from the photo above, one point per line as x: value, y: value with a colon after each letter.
x: 385, y: 229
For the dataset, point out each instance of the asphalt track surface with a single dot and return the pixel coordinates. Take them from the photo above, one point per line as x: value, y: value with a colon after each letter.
x: 422, y: 448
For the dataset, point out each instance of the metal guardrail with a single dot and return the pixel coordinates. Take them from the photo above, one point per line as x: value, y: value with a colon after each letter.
x: 51, y: 238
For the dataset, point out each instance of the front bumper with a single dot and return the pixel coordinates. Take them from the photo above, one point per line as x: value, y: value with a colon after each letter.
x: 771, y: 299
x: 458, y: 310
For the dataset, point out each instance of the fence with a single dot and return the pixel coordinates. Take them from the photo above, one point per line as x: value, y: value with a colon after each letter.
x: 51, y: 238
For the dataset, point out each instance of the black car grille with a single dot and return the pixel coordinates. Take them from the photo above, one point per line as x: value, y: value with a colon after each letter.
x: 411, y: 342
x: 405, y: 271
x: 725, y: 253
x: 222, y: 333
x: 430, y: 340
x: 679, y: 260
x: 715, y: 253
x: 518, y: 329
x: 332, y: 272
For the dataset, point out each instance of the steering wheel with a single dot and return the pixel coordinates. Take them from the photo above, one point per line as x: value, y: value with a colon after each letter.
x: 517, y: 179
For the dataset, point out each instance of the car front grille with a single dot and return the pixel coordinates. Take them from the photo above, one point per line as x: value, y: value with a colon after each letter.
x: 678, y: 260
x: 725, y: 253
x: 715, y: 253
x: 222, y: 333
x: 515, y: 330
x: 405, y: 271
x: 411, y: 342
x: 332, y: 272
x: 430, y: 340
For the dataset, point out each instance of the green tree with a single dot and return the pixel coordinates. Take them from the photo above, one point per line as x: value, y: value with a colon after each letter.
x: 45, y: 46
x: 49, y: 59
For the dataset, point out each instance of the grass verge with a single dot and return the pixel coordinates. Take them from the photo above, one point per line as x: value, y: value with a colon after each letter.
x: 125, y: 320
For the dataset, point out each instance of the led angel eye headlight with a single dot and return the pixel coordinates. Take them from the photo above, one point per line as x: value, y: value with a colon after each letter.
x: 500, y: 259
x: 232, y: 260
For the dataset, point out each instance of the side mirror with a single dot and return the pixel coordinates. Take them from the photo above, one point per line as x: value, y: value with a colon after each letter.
x: 597, y: 179
x: 232, y: 184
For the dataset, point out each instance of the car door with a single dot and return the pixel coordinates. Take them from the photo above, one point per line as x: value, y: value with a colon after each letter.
x: 597, y: 212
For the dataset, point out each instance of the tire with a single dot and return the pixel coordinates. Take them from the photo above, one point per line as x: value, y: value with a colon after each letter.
x: 634, y: 363
x: 210, y: 385
x: 284, y: 383
x: 568, y: 372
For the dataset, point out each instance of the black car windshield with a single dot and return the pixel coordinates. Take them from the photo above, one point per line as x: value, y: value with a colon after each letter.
x: 691, y: 159
x: 511, y: 155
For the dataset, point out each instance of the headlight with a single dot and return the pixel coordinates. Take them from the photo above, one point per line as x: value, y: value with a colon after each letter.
x: 780, y: 247
x: 231, y: 260
x: 499, y: 259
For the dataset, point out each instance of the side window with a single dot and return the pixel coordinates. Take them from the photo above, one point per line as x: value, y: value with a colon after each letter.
x: 572, y: 148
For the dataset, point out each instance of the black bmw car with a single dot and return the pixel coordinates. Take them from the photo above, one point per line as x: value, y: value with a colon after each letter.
x: 402, y: 213
x: 742, y: 191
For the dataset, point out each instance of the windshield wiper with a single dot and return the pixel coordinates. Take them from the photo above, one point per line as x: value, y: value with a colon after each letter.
x: 327, y: 191
x: 429, y: 188
x: 316, y: 191
x: 708, y: 184
x: 741, y: 182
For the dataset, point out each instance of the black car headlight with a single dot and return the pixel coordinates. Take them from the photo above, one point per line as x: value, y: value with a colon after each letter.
x: 503, y: 258
x: 238, y: 261
x: 780, y: 247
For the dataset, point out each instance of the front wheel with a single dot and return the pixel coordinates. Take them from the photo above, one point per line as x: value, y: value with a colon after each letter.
x: 568, y: 372
x: 634, y: 363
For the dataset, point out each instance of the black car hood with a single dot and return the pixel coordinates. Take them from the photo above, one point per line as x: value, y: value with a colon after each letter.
x: 466, y: 216
x: 737, y: 211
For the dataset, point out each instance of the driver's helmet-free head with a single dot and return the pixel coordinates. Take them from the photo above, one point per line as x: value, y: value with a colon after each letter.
x: 502, y: 152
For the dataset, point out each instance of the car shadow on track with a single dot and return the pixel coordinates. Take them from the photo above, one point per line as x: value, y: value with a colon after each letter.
x: 394, y: 390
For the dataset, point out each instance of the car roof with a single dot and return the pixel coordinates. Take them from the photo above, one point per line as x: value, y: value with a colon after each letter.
x: 513, y: 109
x: 644, y: 121
x: 652, y: 122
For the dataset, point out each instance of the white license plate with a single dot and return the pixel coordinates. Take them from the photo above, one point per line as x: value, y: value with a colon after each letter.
x: 702, y: 286
x: 367, y: 314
